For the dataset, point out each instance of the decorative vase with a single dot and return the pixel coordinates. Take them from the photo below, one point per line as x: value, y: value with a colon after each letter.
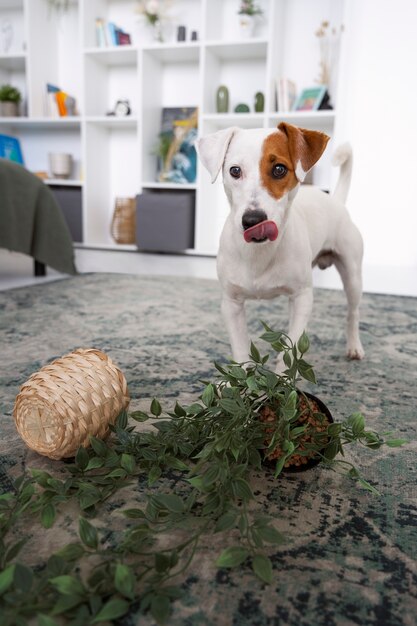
x: 259, y: 102
x: 246, y: 25
x: 60, y: 164
x: 222, y: 99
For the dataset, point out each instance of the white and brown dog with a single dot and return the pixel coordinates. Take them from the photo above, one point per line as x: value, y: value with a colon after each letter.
x: 277, y: 231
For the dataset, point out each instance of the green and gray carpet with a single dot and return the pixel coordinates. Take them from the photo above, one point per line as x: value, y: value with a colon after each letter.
x: 351, y: 556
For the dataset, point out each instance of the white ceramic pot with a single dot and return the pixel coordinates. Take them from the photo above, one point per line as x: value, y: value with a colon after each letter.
x: 60, y: 164
x: 246, y: 26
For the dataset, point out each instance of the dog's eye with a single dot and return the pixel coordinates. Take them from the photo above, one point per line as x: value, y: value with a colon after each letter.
x: 235, y: 171
x: 279, y: 170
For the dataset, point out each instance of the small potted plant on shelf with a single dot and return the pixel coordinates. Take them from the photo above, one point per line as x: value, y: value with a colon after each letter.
x: 248, y: 13
x: 10, y: 98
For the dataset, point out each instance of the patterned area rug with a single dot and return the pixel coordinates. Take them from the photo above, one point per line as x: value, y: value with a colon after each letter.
x: 352, y: 556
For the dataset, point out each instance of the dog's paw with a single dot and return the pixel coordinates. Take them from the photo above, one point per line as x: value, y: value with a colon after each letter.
x: 355, y: 353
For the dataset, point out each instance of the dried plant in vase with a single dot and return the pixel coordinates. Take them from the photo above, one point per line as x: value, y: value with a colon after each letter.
x: 329, y: 42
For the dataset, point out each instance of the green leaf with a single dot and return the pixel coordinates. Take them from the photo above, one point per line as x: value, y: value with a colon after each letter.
x: 160, y: 608
x: 303, y: 343
x: 254, y: 353
x: 271, y: 336
x: 262, y: 567
x: 65, y: 603
x: 14, y: 550
x: 171, y: 502
x: 306, y: 371
x: 395, y: 443
x: 154, y: 473
x: 230, y: 406
x: 94, y: 463
x: 71, y: 552
x: 48, y: 515
x: 179, y: 410
x: 331, y: 450
x: 156, y: 408
x: 88, y: 534
x: 23, y: 578
x: 139, y: 416
x: 114, y: 608
x: 357, y: 423
x: 232, y: 557
x: 98, y: 446
x: 241, y: 489
x: 134, y: 513
x: 128, y: 463
x: 270, y: 534
x: 162, y: 562
x: 124, y: 581
x: 82, y: 458
x: 6, y: 578
x: 208, y: 395
x: 226, y: 522
x: 68, y: 585
x: 121, y: 420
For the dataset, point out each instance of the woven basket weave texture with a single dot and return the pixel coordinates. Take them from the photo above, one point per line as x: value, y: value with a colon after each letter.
x: 123, y: 226
x: 75, y: 396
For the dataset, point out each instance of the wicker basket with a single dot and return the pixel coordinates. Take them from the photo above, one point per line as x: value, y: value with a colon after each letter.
x: 123, y: 226
x: 65, y: 402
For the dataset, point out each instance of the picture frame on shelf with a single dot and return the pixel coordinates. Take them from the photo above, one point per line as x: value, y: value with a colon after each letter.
x: 10, y: 149
x: 310, y: 98
x: 177, y: 156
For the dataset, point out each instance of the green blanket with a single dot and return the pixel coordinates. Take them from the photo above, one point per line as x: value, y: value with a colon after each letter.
x: 31, y: 221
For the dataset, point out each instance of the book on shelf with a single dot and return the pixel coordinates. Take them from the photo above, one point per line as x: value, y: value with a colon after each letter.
x: 177, y: 157
x: 109, y: 34
x: 10, y: 149
x: 286, y: 94
x: 58, y: 103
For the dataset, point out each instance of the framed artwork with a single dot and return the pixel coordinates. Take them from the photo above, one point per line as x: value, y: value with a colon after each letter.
x: 10, y: 149
x: 310, y: 99
x: 177, y: 156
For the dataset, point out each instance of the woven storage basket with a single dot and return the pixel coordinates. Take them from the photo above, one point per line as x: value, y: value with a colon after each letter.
x: 65, y: 402
x: 123, y: 226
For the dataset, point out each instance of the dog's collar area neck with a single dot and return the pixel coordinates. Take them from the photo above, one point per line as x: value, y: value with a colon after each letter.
x: 261, y: 232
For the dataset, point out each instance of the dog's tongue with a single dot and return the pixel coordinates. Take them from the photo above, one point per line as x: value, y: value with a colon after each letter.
x: 264, y: 230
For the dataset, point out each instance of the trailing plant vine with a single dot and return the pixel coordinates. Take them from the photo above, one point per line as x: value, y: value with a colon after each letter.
x: 211, y: 448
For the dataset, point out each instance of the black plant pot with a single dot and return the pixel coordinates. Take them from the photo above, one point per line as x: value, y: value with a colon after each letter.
x: 293, y: 469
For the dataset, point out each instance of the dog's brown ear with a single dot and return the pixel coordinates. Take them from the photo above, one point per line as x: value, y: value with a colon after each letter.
x: 305, y: 146
x: 212, y: 150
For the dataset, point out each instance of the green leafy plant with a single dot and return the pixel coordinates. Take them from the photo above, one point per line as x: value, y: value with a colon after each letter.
x: 8, y: 93
x: 249, y: 7
x: 213, y: 447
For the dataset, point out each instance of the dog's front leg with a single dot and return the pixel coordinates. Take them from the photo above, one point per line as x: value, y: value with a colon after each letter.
x: 235, y: 319
x: 301, y: 305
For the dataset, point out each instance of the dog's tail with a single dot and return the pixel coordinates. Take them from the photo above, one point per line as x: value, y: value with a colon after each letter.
x: 343, y: 158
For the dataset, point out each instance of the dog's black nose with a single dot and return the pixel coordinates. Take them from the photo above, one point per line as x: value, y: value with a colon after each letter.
x: 252, y: 217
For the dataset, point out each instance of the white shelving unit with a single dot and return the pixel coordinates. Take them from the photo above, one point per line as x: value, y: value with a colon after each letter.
x: 115, y: 156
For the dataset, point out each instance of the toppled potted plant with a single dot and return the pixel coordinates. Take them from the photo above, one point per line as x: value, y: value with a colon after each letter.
x: 10, y: 98
x: 248, y: 13
x: 215, y: 447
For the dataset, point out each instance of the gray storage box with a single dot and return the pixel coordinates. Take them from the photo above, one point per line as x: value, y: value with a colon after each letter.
x: 165, y: 220
x: 70, y: 202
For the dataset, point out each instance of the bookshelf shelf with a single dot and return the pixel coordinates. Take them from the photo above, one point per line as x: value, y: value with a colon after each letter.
x: 114, y: 55
x: 116, y: 156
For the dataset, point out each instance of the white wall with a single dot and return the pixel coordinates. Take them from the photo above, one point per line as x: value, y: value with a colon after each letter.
x: 378, y: 114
